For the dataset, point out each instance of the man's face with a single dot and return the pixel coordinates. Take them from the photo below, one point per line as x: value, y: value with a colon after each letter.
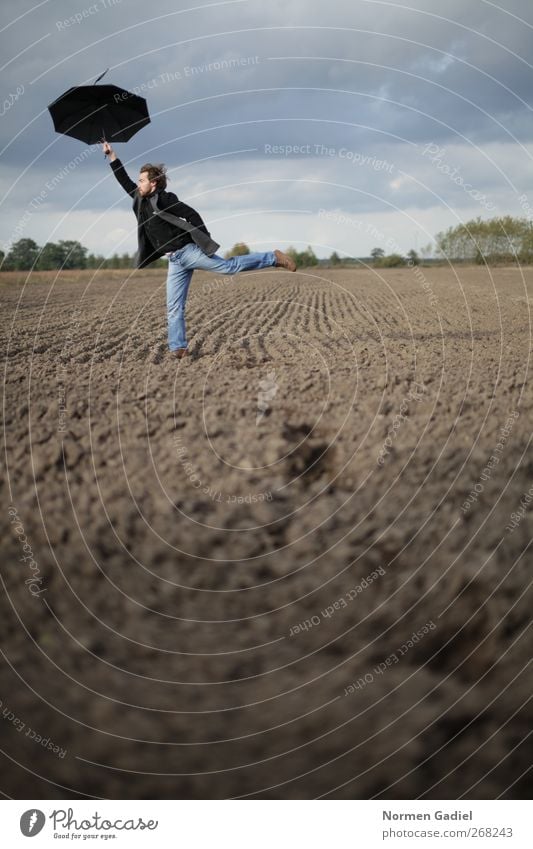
x: 145, y: 185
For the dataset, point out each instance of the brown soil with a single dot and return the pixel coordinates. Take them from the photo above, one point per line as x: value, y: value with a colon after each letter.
x: 307, y: 463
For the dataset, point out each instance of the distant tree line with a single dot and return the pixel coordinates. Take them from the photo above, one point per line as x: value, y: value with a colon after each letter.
x: 65, y: 254
x: 497, y: 240
x: 26, y: 254
x: 382, y: 260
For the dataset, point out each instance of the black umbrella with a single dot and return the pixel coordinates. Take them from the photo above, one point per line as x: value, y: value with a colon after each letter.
x: 92, y: 113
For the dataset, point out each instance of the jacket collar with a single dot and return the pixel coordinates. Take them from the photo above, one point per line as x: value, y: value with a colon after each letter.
x: 138, y: 199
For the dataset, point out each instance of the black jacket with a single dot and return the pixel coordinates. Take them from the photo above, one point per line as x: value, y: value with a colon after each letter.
x: 156, y: 237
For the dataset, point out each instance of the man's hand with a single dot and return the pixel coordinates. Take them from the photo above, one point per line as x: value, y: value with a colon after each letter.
x: 108, y: 150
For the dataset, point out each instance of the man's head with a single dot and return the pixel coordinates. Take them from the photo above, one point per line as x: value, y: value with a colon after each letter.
x: 151, y: 178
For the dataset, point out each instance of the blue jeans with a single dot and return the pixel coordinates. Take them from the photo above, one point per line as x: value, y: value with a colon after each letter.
x: 181, y: 265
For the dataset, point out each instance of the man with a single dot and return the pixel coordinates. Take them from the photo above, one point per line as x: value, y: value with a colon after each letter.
x: 187, y: 242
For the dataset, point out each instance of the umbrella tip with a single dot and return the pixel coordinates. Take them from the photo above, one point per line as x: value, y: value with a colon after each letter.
x: 101, y: 75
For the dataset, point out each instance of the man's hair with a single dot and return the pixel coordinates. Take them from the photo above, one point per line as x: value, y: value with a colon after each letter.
x: 157, y: 173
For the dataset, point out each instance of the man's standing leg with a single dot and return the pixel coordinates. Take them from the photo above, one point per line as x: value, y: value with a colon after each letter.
x: 178, y: 282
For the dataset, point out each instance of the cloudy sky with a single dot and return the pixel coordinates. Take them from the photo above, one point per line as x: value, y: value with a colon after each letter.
x: 345, y: 125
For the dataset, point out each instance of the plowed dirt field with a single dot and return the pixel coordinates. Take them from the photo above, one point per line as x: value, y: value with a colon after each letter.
x: 295, y: 564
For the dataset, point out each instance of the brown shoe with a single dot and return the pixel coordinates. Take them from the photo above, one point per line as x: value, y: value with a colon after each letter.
x: 285, y: 261
x: 179, y: 353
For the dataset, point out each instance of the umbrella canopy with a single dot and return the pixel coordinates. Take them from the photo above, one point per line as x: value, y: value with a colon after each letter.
x: 93, y: 112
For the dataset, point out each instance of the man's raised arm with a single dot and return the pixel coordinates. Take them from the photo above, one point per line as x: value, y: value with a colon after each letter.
x: 119, y: 171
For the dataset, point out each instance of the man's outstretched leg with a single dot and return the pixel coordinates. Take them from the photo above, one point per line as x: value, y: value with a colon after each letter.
x: 192, y: 257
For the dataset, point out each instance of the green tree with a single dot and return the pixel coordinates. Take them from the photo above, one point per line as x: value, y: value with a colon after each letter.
x: 22, y: 255
x: 63, y: 254
x: 238, y: 249
x: 526, y: 248
x: 302, y: 258
x: 95, y: 261
x: 74, y: 254
x: 497, y: 240
x: 391, y: 261
x: 413, y: 258
x: 334, y: 258
x: 307, y: 257
x: 51, y: 256
x: 377, y: 254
